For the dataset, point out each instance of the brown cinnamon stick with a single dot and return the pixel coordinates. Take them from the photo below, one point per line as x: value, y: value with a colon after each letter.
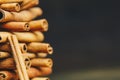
x: 18, y: 58
x: 4, y: 55
x: 39, y: 35
x: 45, y: 70
x: 41, y: 25
x: 29, y: 36
x: 11, y: 7
x: 33, y: 72
x: 37, y: 72
x: 7, y: 48
x: 40, y: 47
x: 8, y: 75
x: 23, y: 47
x: 30, y: 55
x: 4, y: 36
x: 28, y: 4
x: 22, y: 16
x: 27, y: 61
x: 35, y: 55
x: 40, y: 78
x: 42, y: 62
x: 10, y: 1
x: 16, y: 26
x: 5, y: 16
x: 7, y: 64
x: 42, y: 55
x: 27, y: 15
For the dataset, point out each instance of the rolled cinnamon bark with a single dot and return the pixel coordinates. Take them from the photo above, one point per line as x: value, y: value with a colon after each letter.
x: 23, y: 47
x: 29, y: 36
x: 35, y: 55
x: 10, y: 1
x: 42, y: 62
x: 28, y: 4
x: 39, y: 35
x: 36, y: 11
x: 20, y: 65
x: 8, y: 75
x: 5, y: 16
x: 27, y: 15
x: 4, y: 36
x: 10, y: 64
x: 38, y: 72
x: 10, y: 7
x: 6, y: 47
x: 41, y: 25
x: 33, y: 72
x: 16, y: 26
x: 4, y: 55
x: 45, y: 70
x: 42, y: 55
x: 30, y: 55
x: 25, y: 2
x: 7, y: 64
x: 27, y: 61
x: 23, y: 16
x: 40, y: 78
x: 40, y: 47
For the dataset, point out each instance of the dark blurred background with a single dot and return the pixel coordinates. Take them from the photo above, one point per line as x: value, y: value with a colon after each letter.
x: 85, y: 35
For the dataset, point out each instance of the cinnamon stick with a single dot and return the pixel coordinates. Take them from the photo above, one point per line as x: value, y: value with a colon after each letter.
x: 8, y: 75
x: 27, y: 15
x: 38, y: 72
x: 35, y: 55
x: 42, y: 55
x: 41, y: 25
x: 29, y: 36
x: 40, y: 78
x: 27, y: 61
x: 10, y: 1
x: 40, y: 47
x: 28, y: 4
x: 16, y: 26
x: 39, y: 36
x: 7, y: 48
x: 5, y: 16
x: 7, y: 63
x: 45, y: 70
x: 23, y: 47
x: 10, y: 7
x: 30, y: 55
x: 42, y: 62
x: 22, y: 16
x: 33, y: 72
x: 18, y: 58
x: 4, y: 55
x: 4, y: 36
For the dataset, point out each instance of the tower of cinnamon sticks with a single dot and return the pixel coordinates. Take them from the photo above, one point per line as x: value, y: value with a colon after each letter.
x: 23, y: 52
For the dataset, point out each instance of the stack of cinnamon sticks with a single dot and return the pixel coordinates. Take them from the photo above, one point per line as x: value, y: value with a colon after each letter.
x: 23, y: 54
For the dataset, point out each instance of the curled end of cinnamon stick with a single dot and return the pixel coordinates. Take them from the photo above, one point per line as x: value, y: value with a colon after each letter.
x: 40, y: 78
x: 50, y: 62
x: 17, y: 8
x: 27, y: 61
x: 2, y: 76
x: 50, y: 50
x: 45, y: 25
x: 23, y: 47
x: 2, y: 15
x: 26, y: 27
x: 0, y: 39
